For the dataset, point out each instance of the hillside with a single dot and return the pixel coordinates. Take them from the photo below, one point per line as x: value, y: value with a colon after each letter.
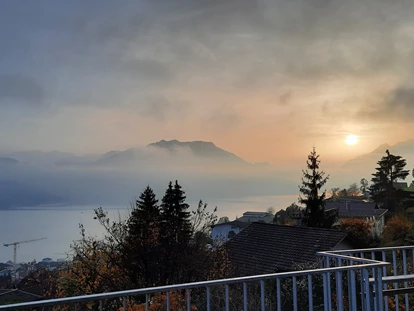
x: 368, y: 162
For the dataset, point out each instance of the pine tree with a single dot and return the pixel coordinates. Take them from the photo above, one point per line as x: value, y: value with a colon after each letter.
x: 142, y: 240
x: 175, y: 215
x: 312, y: 181
x: 390, y: 169
x: 176, y: 233
x: 145, y: 215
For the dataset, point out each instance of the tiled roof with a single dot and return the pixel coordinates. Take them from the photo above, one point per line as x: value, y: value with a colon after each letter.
x: 356, y: 209
x: 267, y: 248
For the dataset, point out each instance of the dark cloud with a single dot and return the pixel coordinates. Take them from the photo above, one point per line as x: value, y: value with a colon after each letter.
x: 21, y: 89
x: 397, y: 105
x: 400, y: 103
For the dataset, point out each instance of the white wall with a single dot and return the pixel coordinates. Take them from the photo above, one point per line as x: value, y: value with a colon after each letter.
x: 221, y: 232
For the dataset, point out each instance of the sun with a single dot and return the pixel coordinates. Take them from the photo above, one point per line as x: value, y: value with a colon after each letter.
x: 351, y: 140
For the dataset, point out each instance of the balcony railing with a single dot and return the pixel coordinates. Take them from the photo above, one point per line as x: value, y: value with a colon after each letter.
x: 363, y: 279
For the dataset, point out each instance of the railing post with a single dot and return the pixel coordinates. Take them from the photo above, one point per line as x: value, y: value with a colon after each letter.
x: 325, y: 292
x: 339, y: 293
x: 367, y: 287
x: 378, y: 289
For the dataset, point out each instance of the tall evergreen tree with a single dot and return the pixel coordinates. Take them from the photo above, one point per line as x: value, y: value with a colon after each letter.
x: 312, y: 181
x: 390, y: 169
x: 142, y: 240
x: 176, y: 232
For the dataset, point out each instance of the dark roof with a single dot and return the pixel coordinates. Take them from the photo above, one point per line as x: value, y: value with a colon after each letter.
x: 266, y: 248
x: 16, y: 296
x: 236, y: 223
x: 400, y: 185
x: 356, y: 209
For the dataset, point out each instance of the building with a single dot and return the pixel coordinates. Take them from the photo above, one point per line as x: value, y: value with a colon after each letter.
x: 257, y: 217
x: 225, y: 231
x: 368, y: 211
x: 267, y: 248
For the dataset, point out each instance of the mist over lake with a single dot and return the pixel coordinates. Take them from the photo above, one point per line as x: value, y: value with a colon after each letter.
x: 60, y: 225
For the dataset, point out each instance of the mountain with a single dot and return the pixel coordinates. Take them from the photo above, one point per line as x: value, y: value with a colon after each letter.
x: 8, y: 161
x: 18, y: 194
x: 367, y: 162
x: 197, y: 148
x: 172, y: 150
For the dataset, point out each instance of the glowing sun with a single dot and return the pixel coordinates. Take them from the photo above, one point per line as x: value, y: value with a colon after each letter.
x: 351, y: 140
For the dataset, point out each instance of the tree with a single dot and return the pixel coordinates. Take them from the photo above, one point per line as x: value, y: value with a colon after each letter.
x: 284, y: 217
x: 156, y: 245
x: 223, y: 220
x: 140, y: 249
x: 334, y: 193
x: 390, y: 169
x: 397, y: 229
x: 353, y: 190
x: 364, y: 186
x: 360, y: 228
x: 312, y: 182
x: 175, y: 236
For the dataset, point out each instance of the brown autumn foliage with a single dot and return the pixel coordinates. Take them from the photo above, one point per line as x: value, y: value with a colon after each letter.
x: 397, y: 228
x: 360, y: 228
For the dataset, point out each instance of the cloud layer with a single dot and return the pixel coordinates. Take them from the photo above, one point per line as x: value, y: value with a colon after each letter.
x: 99, y: 75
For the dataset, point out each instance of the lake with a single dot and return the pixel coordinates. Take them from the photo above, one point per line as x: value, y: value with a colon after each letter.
x: 60, y: 225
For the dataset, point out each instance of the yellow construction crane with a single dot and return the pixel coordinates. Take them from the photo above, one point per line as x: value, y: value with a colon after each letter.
x: 20, y: 242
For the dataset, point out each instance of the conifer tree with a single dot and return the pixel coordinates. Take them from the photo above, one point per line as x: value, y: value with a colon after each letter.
x: 390, y: 169
x: 142, y: 239
x: 176, y: 233
x: 312, y: 181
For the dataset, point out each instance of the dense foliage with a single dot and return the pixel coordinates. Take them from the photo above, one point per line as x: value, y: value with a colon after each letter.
x: 158, y: 244
x: 390, y: 169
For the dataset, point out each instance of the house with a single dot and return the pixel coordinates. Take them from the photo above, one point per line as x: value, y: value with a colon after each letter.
x: 267, y: 248
x: 257, y: 217
x: 368, y: 211
x: 225, y: 231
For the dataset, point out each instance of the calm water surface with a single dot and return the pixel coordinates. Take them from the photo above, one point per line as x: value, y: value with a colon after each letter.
x: 60, y: 225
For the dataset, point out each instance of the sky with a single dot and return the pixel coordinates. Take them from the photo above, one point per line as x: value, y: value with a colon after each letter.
x: 264, y: 79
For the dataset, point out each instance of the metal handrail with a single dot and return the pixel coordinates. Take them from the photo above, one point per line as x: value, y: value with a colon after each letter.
x: 363, y: 265
x: 167, y: 288
x: 375, y: 249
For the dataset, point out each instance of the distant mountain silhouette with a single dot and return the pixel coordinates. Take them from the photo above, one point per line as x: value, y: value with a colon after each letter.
x: 17, y: 194
x: 173, y: 149
x: 369, y: 160
x: 198, y: 148
x: 8, y: 161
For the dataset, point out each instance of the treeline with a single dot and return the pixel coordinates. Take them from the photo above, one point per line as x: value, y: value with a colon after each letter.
x: 160, y: 243
x: 385, y: 190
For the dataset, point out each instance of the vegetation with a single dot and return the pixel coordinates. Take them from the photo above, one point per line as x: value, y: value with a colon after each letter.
x: 390, y: 169
x: 285, y: 217
x: 397, y: 230
x: 359, y: 228
x: 158, y: 244
x: 312, y: 182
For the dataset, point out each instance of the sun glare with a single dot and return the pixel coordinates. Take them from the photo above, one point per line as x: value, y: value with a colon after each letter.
x: 351, y: 139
